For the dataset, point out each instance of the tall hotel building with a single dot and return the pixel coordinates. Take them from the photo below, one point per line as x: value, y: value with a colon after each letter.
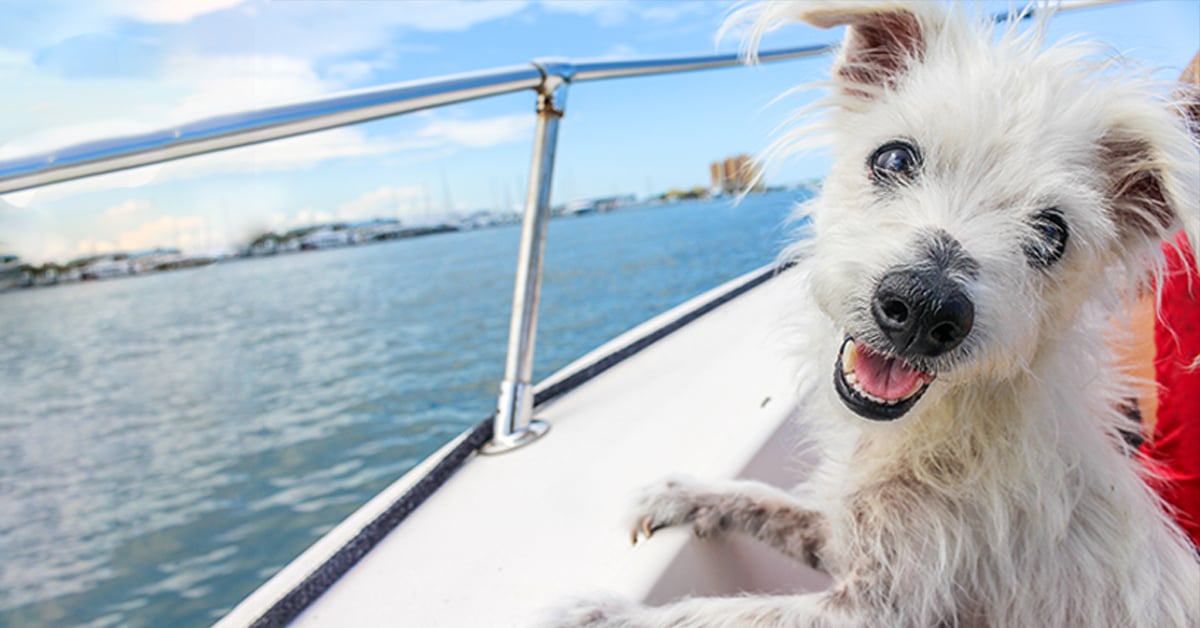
x: 734, y: 175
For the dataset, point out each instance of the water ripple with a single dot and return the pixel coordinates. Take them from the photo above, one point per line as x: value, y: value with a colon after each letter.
x: 168, y: 442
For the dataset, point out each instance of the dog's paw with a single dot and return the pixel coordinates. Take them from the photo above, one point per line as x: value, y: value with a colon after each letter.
x: 600, y: 611
x: 676, y: 501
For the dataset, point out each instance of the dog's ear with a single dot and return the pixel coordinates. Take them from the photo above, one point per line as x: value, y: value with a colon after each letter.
x: 883, y: 37
x: 1136, y: 187
x: 883, y: 40
x: 1153, y: 184
x: 1150, y: 193
x: 1189, y: 98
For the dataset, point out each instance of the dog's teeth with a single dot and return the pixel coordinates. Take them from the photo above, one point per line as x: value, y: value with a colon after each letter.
x: 852, y: 380
x: 849, y: 357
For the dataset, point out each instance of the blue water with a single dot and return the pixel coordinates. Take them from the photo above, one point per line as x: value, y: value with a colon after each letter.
x: 168, y: 442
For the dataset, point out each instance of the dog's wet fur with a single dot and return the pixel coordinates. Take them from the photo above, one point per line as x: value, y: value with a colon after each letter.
x: 992, y: 200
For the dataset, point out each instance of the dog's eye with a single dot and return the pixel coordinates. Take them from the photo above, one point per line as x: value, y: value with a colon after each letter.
x: 1050, y: 238
x: 895, y: 161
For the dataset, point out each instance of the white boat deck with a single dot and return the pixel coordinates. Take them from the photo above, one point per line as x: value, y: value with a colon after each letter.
x: 510, y: 535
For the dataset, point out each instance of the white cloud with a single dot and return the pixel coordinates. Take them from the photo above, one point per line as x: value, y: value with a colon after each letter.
x: 613, y: 12
x: 210, y: 86
x: 309, y: 216
x: 224, y: 83
x: 34, y: 25
x: 55, y: 247
x: 605, y: 12
x: 480, y: 133
x: 424, y: 15
x: 351, y: 71
x: 47, y: 111
x: 189, y: 233
x: 447, y: 15
x: 19, y: 199
x: 339, y: 30
x: 312, y: 30
x: 169, y: 11
x: 386, y: 201
x: 662, y: 12
x: 186, y: 232
x: 126, y: 209
x: 14, y: 60
x: 133, y: 178
x: 193, y: 87
x: 620, y: 51
x: 92, y: 246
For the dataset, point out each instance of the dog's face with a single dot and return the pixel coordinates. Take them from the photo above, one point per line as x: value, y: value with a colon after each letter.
x: 979, y: 195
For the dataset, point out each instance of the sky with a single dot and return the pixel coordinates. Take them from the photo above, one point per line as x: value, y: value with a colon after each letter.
x: 73, y: 71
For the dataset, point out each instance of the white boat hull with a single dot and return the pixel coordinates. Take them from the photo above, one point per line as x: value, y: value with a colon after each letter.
x: 511, y: 535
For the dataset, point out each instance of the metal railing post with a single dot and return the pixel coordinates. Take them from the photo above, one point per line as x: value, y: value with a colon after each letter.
x: 514, y: 425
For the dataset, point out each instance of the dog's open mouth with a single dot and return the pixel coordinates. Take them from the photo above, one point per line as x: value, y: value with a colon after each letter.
x: 876, y: 385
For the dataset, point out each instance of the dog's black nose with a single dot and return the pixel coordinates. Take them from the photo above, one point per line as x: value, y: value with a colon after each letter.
x: 923, y: 312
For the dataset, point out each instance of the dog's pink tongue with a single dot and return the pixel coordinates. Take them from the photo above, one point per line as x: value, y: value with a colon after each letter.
x: 884, y: 376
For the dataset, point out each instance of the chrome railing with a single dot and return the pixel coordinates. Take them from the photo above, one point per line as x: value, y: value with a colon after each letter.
x: 272, y: 123
x: 514, y: 425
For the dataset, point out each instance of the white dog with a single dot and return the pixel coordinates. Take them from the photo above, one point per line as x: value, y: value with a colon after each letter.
x: 990, y: 202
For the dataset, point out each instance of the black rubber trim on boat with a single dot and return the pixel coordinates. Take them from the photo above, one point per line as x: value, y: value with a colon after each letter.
x: 288, y: 607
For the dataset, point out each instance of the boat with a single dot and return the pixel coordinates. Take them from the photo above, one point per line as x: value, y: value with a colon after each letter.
x: 525, y: 509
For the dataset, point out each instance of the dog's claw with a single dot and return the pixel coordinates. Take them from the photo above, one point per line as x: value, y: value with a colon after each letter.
x: 662, y: 505
x: 643, y: 530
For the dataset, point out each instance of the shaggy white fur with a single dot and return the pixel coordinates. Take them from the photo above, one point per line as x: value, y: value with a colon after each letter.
x: 1003, y: 496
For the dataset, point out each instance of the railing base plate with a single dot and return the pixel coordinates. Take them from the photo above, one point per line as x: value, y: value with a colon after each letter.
x: 516, y: 440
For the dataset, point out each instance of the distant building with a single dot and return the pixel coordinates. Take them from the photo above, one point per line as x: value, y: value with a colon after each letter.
x: 734, y: 175
x: 593, y: 205
x: 378, y: 229
x: 11, y: 273
x: 45, y: 275
x: 327, y: 237
x: 105, y: 266
x: 155, y: 259
x: 265, y: 244
x: 479, y: 219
